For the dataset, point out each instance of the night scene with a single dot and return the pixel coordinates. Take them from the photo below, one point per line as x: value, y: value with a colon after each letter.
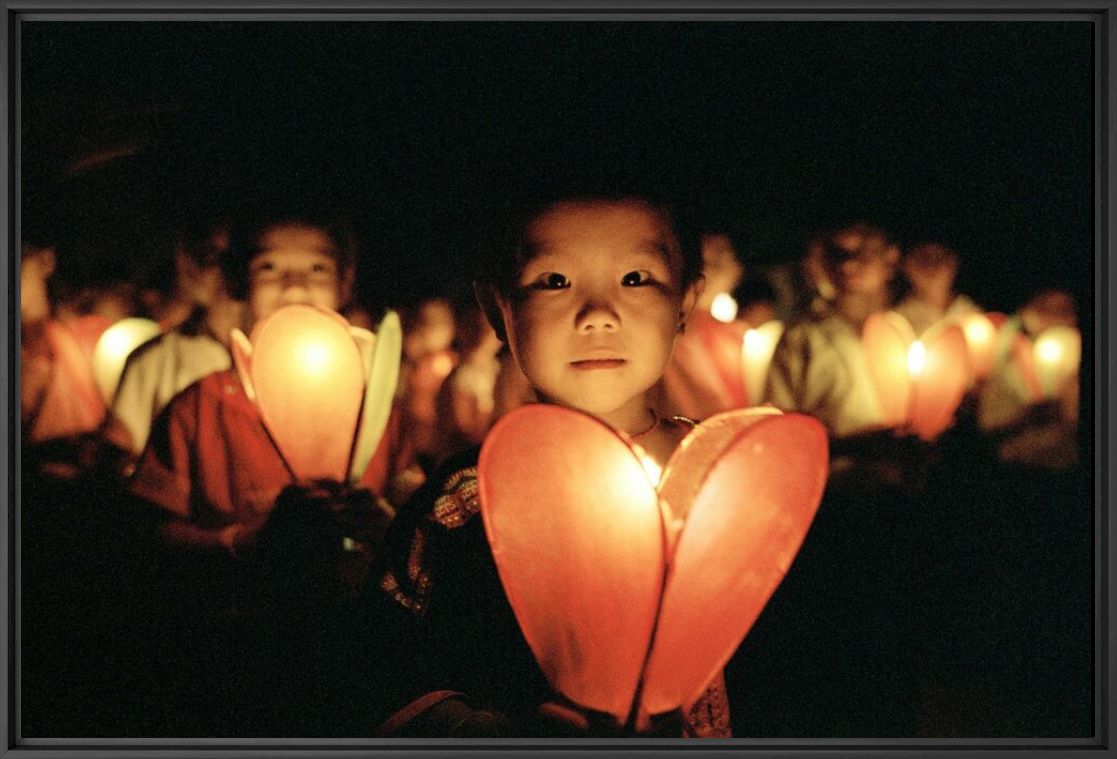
x: 567, y: 378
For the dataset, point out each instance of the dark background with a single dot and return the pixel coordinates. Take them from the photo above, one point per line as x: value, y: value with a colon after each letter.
x: 979, y: 133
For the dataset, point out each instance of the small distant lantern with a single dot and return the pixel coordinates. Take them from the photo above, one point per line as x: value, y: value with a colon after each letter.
x: 980, y: 331
x: 113, y: 347
x: 581, y: 525
x: 1057, y: 354
x: 723, y: 308
x: 313, y: 377
x: 920, y: 382
x: 757, y: 348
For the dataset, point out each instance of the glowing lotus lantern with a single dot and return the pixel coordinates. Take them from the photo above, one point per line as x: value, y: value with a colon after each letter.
x: 1055, y: 357
x: 113, y: 347
x: 314, y: 377
x: 920, y: 383
x: 757, y: 348
x: 723, y: 308
x: 580, y: 529
x: 980, y: 332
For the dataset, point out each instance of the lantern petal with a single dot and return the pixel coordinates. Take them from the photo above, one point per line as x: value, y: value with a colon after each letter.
x: 382, y: 372
x: 308, y: 380
x: 241, y: 348
x: 743, y: 530
x: 113, y: 348
x: 690, y: 464
x: 938, y: 390
x: 576, y: 534
x: 886, y: 338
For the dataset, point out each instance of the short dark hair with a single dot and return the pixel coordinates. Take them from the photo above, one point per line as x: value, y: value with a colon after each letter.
x: 244, y: 241
x: 503, y: 255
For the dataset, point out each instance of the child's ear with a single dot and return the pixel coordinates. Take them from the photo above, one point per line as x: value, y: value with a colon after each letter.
x: 345, y: 287
x: 492, y: 306
x: 690, y: 297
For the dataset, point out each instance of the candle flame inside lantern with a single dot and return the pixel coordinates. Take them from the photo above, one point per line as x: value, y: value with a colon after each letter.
x: 315, y: 357
x: 978, y: 331
x: 723, y: 308
x: 917, y: 358
x: 1048, y: 351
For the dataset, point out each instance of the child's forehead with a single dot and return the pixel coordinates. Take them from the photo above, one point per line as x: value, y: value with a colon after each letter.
x: 628, y: 227
x: 295, y: 238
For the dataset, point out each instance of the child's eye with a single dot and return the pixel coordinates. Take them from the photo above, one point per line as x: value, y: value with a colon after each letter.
x: 637, y: 278
x: 552, y: 280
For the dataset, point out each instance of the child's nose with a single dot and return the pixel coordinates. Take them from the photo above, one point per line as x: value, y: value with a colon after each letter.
x: 597, y: 314
x: 295, y: 288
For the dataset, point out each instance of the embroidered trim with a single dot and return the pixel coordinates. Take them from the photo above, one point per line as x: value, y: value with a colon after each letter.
x: 459, y: 500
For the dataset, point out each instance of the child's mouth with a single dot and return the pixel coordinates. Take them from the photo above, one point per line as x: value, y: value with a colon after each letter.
x: 597, y: 363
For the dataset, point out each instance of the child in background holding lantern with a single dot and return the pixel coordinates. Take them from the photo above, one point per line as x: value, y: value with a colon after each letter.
x: 590, y: 292
x: 931, y: 269
x: 1032, y: 422
x: 197, y: 344
x: 209, y: 464
x: 819, y: 366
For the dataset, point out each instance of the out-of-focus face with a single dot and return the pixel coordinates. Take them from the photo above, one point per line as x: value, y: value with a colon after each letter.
x: 35, y: 269
x: 295, y: 264
x: 860, y: 264
x: 931, y: 270
x: 598, y: 306
x: 720, y: 266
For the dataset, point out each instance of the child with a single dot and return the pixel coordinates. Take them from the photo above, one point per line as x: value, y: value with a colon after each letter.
x: 590, y: 294
x: 196, y: 346
x: 930, y: 269
x: 209, y: 463
x: 819, y: 365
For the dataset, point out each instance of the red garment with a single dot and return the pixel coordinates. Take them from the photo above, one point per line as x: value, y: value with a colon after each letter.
x: 59, y: 397
x: 210, y: 459
x: 704, y: 376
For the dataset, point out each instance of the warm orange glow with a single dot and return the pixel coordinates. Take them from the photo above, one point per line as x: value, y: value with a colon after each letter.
x: 1058, y: 353
x: 651, y: 468
x: 917, y: 358
x: 756, y: 357
x: 113, y: 348
x: 723, y: 308
x: 442, y: 364
x: 579, y: 534
x: 981, y: 342
x: 920, y: 383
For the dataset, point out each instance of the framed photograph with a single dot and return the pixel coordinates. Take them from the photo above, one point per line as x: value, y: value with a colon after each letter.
x: 955, y: 595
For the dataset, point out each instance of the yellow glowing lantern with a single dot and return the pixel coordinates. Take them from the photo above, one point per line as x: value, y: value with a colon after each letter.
x: 308, y: 373
x: 113, y: 348
x: 757, y: 348
x: 920, y: 383
x: 723, y: 308
x: 580, y: 526
x: 1057, y: 352
x: 981, y: 341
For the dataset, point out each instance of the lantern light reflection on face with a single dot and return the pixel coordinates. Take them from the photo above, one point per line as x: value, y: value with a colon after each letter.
x: 917, y: 358
x: 723, y: 308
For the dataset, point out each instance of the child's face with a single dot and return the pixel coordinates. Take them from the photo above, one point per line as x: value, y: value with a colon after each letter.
x: 598, y: 306
x: 860, y: 264
x: 294, y: 264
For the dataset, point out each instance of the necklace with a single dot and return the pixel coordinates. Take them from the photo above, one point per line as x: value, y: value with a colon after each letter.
x: 652, y: 426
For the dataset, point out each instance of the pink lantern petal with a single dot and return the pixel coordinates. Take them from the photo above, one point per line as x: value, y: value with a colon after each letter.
x: 744, y: 529
x: 576, y: 533
x: 938, y: 389
x: 886, y: 342
x: 308, y: 379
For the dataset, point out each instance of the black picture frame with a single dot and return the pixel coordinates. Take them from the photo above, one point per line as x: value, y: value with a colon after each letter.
x: 1098, y: 346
